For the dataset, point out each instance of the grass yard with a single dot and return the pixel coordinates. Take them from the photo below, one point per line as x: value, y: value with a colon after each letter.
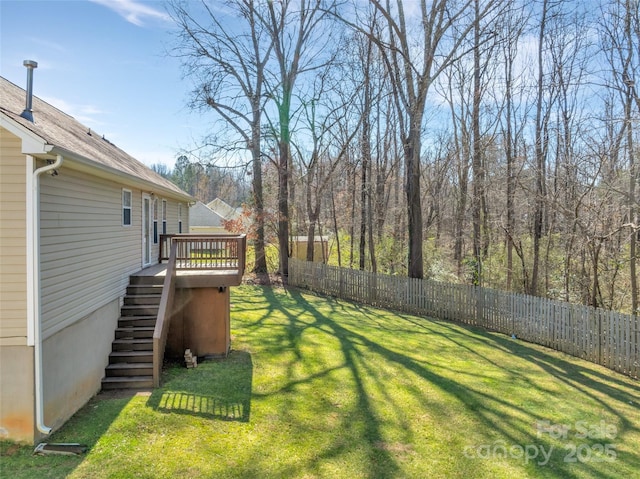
x: 320, y: 388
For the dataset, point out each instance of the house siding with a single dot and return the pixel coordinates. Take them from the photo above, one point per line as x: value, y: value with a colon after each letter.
x: 86, y: 253
x: 85, y: 258
x: 13, y: 281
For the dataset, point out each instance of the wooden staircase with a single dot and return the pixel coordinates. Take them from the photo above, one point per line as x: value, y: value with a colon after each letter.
x: 131, y: 360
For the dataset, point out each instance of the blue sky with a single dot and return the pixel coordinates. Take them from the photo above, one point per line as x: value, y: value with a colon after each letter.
x: 105, y: 63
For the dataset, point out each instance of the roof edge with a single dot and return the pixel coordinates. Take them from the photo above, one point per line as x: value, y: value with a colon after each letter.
x: 32, y: 143
x: 113, y: 172
x: 37, y: 146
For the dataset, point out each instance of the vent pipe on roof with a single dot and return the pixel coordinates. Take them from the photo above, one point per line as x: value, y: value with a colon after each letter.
x: 28, y: 110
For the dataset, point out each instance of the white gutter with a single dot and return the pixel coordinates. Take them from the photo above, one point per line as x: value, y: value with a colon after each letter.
x: 34, y: 325
x: 129, y: 179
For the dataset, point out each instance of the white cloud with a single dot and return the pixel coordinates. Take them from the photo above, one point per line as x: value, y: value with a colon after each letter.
x: 133, y: 11
x: 85, y: 114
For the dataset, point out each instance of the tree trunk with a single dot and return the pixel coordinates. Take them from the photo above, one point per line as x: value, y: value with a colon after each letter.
x: 335, y: 224
x: 414, y: 205
x: 283, y: 185
x: 477, y: 168
x: 283, y: 209
x: 258, y: 199
x: 363, y: 211
x: 539, y: 202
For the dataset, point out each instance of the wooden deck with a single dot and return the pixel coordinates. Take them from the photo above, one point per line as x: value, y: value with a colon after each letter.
x: 201, y: 261
x: 190, y: 278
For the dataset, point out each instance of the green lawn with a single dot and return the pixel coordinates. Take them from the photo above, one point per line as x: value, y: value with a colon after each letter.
x: 317, y: 387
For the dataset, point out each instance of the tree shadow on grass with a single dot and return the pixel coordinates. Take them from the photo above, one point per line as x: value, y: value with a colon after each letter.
x: 85, y: 427
x: 216, y: 389
x: 381, y: 461
x: 487, y: 407
x: 593, y: 381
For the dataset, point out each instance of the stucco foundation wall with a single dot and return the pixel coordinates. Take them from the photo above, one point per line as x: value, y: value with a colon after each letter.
x: 16, y: 393
x: 75, y: 359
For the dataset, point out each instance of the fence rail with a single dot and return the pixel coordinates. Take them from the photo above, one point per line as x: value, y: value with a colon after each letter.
x: 603, y: 337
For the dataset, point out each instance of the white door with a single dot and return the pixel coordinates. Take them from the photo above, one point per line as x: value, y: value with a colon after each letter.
x: 146, y: 230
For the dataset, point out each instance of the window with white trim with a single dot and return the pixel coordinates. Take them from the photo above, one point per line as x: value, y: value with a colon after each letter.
x: 179, y: 217
x: 155, y: 221
x: 164, y: 217
x: 126, y: 207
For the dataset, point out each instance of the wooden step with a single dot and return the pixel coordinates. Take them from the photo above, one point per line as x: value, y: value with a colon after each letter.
x: 138, y: 310
x: 135, y: 289
x: 146, y: 280
x: 143, y: 299
x: 131, y: 357
x: 132, y: 345
x: 127, y: 382
x: 136, y: 321
x: 135, y: 332
x: 129, y: 369
x: 131, y: 360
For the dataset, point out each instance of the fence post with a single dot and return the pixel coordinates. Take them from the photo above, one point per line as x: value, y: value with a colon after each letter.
x: 479, y: 306
x: 599, y: 337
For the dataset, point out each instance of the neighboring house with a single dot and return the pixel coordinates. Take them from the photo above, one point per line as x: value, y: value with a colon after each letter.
x: 78, y: 216
x: 224, y: 210
x: 210, y: 218
x: 203, y: 220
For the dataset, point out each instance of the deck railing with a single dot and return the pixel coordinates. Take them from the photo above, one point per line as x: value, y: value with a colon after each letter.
x: 165, y: 311
x: 205, y: 252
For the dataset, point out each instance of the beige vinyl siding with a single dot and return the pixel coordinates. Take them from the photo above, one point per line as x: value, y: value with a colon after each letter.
x: 86, y: 253
x: 13, y: 232
x: 172, y: 216
x: 185, y: 218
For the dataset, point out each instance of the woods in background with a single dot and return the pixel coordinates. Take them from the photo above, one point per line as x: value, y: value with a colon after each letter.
x: 490, y: 142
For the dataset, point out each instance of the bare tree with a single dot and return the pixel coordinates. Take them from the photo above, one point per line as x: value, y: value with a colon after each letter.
x: 621, y: 40
x: 295, y: 28
x: 485, y: 41
x: 323, y: 156
x: 418, y: 45
x: 512, y: 31
x: 228, y: 65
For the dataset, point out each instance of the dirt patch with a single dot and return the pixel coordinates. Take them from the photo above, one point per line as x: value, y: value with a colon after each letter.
x: 274, y: 280
x: 10, y: 450
x: 394, y: 448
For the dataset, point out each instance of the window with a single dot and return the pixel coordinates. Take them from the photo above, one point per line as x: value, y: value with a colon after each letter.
x: 155, y: 221
x: 180, y: 218
x: 164, y: 217
x: 126, y: 207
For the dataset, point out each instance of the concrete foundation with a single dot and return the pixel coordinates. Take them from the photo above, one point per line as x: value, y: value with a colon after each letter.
x: 74, y: 363
x: 17, y: 395
x: 73, y: 366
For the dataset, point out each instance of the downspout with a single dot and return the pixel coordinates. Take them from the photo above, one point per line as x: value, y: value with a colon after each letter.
x: 34, y: 237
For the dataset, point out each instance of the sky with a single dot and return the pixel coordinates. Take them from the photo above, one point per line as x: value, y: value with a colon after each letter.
x: 105, y: 63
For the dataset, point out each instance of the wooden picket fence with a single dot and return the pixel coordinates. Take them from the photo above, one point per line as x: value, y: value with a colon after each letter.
x: 603, y: 337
